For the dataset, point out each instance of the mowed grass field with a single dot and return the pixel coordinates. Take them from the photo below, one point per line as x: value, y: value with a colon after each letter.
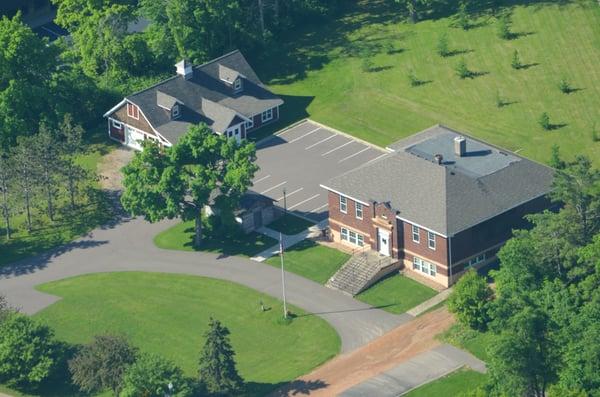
x: 320, y: 74
x: 168, y: 314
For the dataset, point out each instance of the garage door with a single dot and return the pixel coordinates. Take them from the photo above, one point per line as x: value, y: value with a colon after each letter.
x: 134, y: 138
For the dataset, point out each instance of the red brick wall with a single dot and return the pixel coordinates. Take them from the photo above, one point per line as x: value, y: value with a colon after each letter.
x: 421, y: 249
x: 336, y: 217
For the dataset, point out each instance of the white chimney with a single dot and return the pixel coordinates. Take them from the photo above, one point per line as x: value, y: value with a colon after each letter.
x: 184, y: 68
x: 460, y: 146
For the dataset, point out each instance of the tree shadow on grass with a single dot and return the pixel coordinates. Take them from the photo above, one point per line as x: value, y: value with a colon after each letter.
x: 556, y: 126
x: 283, y: 389
x: 528, y: 65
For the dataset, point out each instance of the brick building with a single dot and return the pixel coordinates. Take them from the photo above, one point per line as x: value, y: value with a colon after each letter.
x: 440, y: 202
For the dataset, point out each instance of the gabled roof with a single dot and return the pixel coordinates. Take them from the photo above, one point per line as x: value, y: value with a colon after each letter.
x: 205, y: 85
x: 229, y: 75
x: 450, y: 197
x: 166, y: 101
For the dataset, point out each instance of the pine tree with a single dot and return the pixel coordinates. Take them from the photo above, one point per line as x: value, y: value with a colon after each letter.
x: 25, y: 174
x: 556, y: 161
x: 6, y: 179
x: 72, y: 145
x: 218, y: 372
x: 46, y: 159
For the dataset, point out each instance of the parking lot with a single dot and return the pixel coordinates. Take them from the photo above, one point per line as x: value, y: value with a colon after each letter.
x: 301, y: 158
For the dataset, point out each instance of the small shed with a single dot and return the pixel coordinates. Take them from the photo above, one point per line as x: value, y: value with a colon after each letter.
x: 256, y: 210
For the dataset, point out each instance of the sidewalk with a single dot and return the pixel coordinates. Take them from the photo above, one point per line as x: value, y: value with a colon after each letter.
x: 428, y: 304
x: 288, y: 241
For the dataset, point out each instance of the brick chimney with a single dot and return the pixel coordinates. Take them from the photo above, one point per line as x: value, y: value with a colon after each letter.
x: 460, y: 146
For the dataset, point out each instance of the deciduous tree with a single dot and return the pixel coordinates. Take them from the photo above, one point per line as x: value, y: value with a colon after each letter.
x: 151, y: 375
x: 470, y: 299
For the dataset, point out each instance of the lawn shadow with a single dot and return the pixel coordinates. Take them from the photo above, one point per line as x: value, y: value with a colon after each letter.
x: 458, y: 52
x: 506, y: 102
x: 518, y: 35
x: 349, y: 310
x: 377, y: 69
x: 572, y: 90
x: 225, y: 246
x: 299, y: 387
x: 294, y: 109
x: 473, y: 74
x: 528, y: 65
x: 556, y: 126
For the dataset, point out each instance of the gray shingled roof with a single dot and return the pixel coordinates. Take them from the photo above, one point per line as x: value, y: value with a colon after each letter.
x: 205, y: 84
x: 449, y: 197
x: 228, y: 74
x: 166, y: 101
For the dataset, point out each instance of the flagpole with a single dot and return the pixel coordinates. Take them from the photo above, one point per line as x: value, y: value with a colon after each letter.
x: 282, y: 275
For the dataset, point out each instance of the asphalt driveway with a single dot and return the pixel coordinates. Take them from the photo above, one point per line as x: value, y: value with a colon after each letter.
x: 301, y: 158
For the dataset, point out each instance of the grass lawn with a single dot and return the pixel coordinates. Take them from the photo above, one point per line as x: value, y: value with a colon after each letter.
x: 311, y: 260
x: 451, y: 385
x: 180, y: 237
x: 168, y: 314
x: 468, y: 339
x: 396, y: 294
x: 319, y: 72
x: 290, y: 224
x: 68, y: 225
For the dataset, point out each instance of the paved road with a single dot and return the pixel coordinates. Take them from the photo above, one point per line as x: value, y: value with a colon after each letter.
x: 127, y: 246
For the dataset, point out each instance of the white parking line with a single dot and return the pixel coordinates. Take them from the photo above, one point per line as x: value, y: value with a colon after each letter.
x: 289, y: 194
x: 274, y: 187
x: 321, y: 141
x: 377, y: 158
x: 262, y: 179
x: 319, y: 208
x: 355, y: 154
x: 307, y: 134
x: 339, y: 147
x: 304, y: 201
x: 286, y: 131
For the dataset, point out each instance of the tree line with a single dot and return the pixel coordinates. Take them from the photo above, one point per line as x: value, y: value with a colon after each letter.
x: 544, y: 312
x: 33, y: 360
x: 43, y: 168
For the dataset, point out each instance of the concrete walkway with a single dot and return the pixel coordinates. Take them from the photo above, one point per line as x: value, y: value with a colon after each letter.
x: 288, y: 240
x: 419, y: 370
x: 127, y: 246
x: 428, y: 304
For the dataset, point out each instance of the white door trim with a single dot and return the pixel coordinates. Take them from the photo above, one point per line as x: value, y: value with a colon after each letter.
x: 383, y: 239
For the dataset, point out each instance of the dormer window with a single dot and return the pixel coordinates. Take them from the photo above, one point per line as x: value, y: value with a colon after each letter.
x: 175, y: 112
x: 237, y: 85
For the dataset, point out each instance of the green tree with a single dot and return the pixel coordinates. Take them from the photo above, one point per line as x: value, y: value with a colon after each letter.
x: 151, y: 375
x: 218, y: 372
x: 72, y: 146
x: 578, y: 187
x: 178, y: 181
x: 102, y: 363
x: 28, y: 352
x: 443, y: 48
x: 523, y: 358
x: 470, y: 299
x: 46, y: 162
x: 556, y: 161
x: 564, y: 86
x: 6, y: 196
x: 504, y: 26
x: 24, y: 168
x: 462, y: 70
x: 516, y: 61
x: 462, y: 18
x: 544, y: 121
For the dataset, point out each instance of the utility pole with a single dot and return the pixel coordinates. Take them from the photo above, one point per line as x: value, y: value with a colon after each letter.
x: 284, y: 201
x: 285, y: 312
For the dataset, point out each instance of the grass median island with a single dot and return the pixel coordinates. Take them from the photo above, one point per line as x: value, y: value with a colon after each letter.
x: 290, y: 224
x: 454, y: 384
x: 326, y: 64
x: 168, y: 314
x: 180, y: 237
x: 311, y: 260
x: 465, y: 338
x: 396, y: 294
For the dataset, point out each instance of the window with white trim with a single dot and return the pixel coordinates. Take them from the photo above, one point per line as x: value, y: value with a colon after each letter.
x: 266, y: 115
x: 431, y: 240
x: 175, y: 111
x: 250, y: 124
x: 133, y: 111
x: 358, y: 210
x: 476, y: 260
x: 352, y: 237
x: 237, y: 85
x: 415, y: 234
x: 117, y: 124
x: 423, y: 266
x: 343, y: 204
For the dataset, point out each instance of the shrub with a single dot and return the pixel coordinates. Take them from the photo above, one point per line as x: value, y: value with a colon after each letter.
x: 595, y: 134
x: 544, y: 121
x: 500, y: 101
x: 470, y: 300
x: 443, y: 48
x: 413, y: 80
x: 516, y: 61
x: 564, y: 86
x: 101, y: 364
x: 151, y: 375
x: 462, y: 70
x: 29, y: 354
x: 367, y: 64
x: 504, y: 24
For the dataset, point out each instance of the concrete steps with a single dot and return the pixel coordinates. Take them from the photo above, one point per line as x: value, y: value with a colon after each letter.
x: 361, y: 271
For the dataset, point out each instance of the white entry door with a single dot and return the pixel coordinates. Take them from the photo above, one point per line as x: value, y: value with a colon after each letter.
x: 384, y: 242
x: 134, y: 139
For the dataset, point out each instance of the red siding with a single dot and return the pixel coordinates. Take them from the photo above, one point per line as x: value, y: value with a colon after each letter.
x: 258, y: 120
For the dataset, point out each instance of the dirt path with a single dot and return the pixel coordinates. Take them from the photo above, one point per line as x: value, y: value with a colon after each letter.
x: 386, y: 352
x: 110, y: 166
